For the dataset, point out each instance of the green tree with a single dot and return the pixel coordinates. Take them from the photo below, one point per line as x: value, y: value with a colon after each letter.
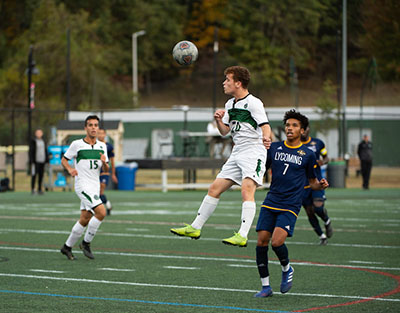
x: 381, y: 22
x: 204, y: 17
x: 325, y: 106
x: 15, y: 18
x: 264, y: 34
x: 163, y: 22
x: 91, y: 85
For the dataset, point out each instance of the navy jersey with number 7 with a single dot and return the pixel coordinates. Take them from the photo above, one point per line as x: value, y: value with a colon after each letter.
x: 290, y: 166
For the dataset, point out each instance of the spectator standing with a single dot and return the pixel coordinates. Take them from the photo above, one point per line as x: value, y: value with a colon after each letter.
x: 364, y: 152
x: 38, y: 157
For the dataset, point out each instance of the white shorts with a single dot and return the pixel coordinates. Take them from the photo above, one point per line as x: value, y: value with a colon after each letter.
x: 248, y: 161
x: 90, y: 197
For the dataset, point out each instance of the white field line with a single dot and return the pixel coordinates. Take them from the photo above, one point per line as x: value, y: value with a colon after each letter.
x: 172, y: 237
x: 356, y: 220
x: 353, y: 228
x: 200, y: 258
x: 46, y: 271
x: 323, y: 265
x: 364, y: 262
x: 129, y: 254
x: 137, y: 229
x: 181, y: 268
x: 116, y: 269
x: 83, y: 280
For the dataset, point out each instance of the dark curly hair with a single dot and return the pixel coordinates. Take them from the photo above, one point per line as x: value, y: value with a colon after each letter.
x: 297, y: 116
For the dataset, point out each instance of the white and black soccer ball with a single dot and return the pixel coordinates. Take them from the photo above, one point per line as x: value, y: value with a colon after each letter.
x: 185, y: 52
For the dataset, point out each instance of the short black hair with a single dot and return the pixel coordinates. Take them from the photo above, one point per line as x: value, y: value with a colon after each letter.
x: 297, y: 116
x: 91, y: 117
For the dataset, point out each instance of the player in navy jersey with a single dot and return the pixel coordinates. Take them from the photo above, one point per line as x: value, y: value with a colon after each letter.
x: 105, y: 176
x: 314, y: 200
x: 290, y: 162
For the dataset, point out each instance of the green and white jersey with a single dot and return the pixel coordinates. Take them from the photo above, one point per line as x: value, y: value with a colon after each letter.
x: 244, y: 118
x: 87, y: 162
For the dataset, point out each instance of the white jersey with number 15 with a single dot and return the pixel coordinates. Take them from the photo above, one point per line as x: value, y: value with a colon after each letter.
x: 87, y: 161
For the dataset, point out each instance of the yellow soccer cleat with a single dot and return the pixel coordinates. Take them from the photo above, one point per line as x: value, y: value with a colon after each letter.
x: 236, y: 240
x: 187, y: 231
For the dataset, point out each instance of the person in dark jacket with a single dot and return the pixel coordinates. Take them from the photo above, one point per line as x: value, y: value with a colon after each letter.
x: 38, y: 157
x: 364, y: 152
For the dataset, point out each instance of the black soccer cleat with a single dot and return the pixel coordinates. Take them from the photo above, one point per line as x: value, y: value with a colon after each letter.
x: 85, y: 247
x: 323, y: 241
x: 67, y: 252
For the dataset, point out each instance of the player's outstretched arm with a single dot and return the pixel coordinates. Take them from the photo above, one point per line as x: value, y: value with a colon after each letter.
x: 316, y: 184
x: 73, y: 172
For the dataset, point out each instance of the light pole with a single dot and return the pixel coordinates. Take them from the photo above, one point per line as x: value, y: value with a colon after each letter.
x: 134, y: 65
x: 31, y: 89
x: 344, y: 78
x: 215, y: 62
x: 68, y: 76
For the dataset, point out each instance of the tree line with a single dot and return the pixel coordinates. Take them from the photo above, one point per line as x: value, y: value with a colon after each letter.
x: 260, y: 34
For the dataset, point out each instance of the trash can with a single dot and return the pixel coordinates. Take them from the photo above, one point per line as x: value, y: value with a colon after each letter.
x: 54, y: 154
x: 323, y: 170
x: 337, y: 174
x: 126, y: 176
x: 61, y: 181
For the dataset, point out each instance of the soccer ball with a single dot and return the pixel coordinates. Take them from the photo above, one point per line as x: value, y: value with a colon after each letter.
x: 185, y: 52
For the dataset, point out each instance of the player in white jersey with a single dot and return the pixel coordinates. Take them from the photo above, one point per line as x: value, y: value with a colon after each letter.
x: 244, y: 116
x: 90, y: 155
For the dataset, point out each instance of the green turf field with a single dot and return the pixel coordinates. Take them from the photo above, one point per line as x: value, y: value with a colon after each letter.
x: 141, y: 267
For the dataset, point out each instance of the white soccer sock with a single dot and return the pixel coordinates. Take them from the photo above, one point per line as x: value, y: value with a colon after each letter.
x: 207, y: 208
x: 248, y: 213
x: 265, y: 281
x: 93, y: 225
x: 285, y: 268
x: 76, y: 233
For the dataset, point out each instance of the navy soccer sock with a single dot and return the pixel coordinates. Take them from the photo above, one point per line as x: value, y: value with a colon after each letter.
x: 315, y: 224
x: 262, y: 261
x: 103, y: 199
x: 321, y: 212
x: 282, y: 253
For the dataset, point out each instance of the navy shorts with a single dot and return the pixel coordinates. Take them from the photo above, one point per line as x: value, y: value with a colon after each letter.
x: 104, y: 179
x: 310, y: 195
x: 269, y: 219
